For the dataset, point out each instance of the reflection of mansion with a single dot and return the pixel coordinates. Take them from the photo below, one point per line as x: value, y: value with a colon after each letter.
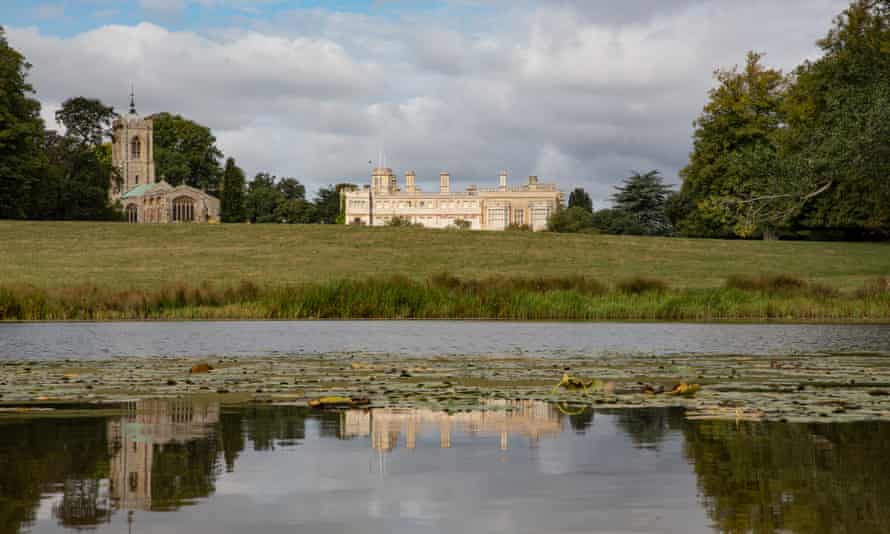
x: 146, y: 425
x: 484, y: 209
x: 528, y: 419
x: 142, y: 198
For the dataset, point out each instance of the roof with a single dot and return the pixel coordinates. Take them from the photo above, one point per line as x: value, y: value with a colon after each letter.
x: 138, y: 191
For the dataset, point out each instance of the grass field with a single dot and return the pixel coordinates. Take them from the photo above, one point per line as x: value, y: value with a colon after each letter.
x: 121, y: 256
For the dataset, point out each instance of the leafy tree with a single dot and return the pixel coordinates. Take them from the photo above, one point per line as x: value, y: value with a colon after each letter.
x: 263, y: 198
x: 617, y: 222
x: 327, y: 203
x: 232, y: 194
x: 579, y: 198
x: 295, y: 211
x: 22, y: 161
x: 86, y: 120
x: 738, y: 121
x: 574, y: 219
x: 292, y: 189
x: 644, y: 196
x: 834, y: 159
x: 186, y: 152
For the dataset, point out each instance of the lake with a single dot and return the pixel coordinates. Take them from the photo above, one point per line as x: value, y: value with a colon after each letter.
x: 424, y: 338
x: 523, y: 466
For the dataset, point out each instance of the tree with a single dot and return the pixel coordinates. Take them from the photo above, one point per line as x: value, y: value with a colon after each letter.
x: 617, y: 222
x: 644, y: 196
x: 739, y: 120
x: 232, y: 194
x: 185, y: 152
x: 22, y: 161
x: 295, y: 211
x: 327, y: 203
x: 579, y: 198
x: 86, y: 120
x: 574, y: 219
x: 292, y: 189
x: 263, y: 198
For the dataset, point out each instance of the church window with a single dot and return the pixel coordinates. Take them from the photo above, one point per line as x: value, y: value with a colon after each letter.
x: 137, y: 178
x: 135, y: 148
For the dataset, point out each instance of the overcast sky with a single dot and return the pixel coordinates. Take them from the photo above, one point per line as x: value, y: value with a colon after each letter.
x: 579, y: 92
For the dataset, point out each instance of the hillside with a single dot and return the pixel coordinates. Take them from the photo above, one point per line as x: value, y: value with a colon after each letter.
x: 115, y: 255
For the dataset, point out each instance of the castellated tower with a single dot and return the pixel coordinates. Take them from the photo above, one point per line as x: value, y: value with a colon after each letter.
x: 132, y: 151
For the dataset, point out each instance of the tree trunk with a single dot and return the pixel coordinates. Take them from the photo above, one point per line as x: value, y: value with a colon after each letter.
x: 769, y: 233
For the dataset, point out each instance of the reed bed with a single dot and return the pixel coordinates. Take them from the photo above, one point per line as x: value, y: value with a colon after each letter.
x: 444, y: 296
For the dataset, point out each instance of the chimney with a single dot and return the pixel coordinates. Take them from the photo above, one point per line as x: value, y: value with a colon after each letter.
x: 533, y: 183
x: 444, y: 182
x: 502, y: 181
x: 409, y: 182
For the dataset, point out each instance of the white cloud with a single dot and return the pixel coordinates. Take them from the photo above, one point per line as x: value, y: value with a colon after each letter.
x: 562, y: 89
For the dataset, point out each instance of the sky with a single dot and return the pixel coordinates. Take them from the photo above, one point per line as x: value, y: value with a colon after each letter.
x: 577, y: 92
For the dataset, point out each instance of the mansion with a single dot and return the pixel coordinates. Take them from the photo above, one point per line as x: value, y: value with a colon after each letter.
x: 143, y: 199
x: 483, y: 209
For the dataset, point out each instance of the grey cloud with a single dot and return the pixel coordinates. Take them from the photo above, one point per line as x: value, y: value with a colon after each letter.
x: 578, y: 92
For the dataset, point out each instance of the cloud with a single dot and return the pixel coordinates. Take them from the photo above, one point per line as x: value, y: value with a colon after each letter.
x: 578, y: 92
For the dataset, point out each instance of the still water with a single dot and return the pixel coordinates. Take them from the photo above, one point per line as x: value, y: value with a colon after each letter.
x: 178, y: 466
x: 424, y: 338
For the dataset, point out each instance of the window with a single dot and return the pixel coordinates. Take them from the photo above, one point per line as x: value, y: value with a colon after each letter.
x: 135, y: 148
x: 137, y: 178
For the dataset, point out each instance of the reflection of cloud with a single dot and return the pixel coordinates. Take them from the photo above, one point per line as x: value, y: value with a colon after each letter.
x: 385, y: 426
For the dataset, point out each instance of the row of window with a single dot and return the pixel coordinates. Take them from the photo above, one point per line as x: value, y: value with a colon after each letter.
x: 425, y: 204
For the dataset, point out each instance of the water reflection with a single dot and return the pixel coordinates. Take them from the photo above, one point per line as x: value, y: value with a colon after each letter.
x: 518, y: 466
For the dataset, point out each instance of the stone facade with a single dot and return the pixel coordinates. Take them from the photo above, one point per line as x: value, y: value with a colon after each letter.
x: 484, y: 209
x: 143, y: 199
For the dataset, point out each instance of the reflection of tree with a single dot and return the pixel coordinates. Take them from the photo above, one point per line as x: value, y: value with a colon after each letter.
x: 268, y: 426
x: 647, y: 427
x: 764, y: 477
x: 37, y: 455
x: 183, y: 472
x: 231, y: 436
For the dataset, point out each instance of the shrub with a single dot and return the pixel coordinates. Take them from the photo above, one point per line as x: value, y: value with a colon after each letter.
x: 519, y: 227
x: 779, y: 284
x: 639, y: 285
x: 570, y: 220
x: 404, y: 222
x: 878, y: 287
x: 462, y: 224
x: 617, y: 222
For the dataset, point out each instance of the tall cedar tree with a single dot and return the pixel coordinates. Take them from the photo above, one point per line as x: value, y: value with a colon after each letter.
x: 579, y: 198
x: 644, y: 196
x: 232, y: 194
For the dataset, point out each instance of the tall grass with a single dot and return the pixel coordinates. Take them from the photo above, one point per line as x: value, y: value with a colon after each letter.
x: 444, y: 296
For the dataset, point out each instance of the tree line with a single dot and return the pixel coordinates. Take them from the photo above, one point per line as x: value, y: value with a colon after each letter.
x: 804, y: 155
x: 45, y: 174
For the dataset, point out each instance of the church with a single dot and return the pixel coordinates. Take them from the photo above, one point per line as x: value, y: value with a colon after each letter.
x: 142, y: 198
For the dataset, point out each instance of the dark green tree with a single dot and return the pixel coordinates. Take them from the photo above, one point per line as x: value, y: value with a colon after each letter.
x: 579, y: 198
x: 22, y: 162
x: 327, y: 203
x: 232, y: 195
x: 87, y: 120
x: 292, y: 189
x: 296, y: 211
x: 574, y: 219
x: 644, y: 196
x: 737, y: 124
x: 617, y: 222
x: 263, y: 199
x: 185, y: 152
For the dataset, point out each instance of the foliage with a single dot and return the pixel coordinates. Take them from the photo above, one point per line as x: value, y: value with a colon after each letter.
x: 462, y: 224
x: 232, y: 199
x: 513, y: 227
x: 574, y: 219
x: 738, y: 121
x: 328, y: 206
x: 644, y: 197
x: 22, y: 161
x: 185, y: 152
x: 291, y: 189
x: 87, y: 120
x: 617, y: 222
x: 263, y: 199
x: 296, y: 211
x: 579, y: 198
x: 441, y: 296
x: 402, y: 222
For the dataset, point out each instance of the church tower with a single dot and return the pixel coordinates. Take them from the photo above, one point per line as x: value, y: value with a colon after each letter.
x: 132, y: 151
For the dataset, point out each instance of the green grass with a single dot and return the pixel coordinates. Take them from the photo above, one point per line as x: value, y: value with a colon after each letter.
x: 115, y: 256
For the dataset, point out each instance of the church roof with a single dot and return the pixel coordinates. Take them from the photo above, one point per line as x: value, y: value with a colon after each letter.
x: 138, y: 191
